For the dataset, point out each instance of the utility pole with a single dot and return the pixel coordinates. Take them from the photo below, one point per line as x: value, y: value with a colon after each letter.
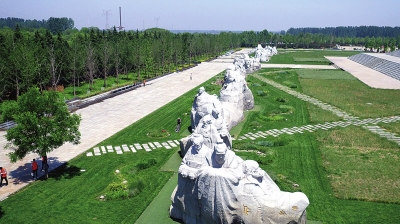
x: 120, y: 28
x: 157, y: 21
x: 106, y: 13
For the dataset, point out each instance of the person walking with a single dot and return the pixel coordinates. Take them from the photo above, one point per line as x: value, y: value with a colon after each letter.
x: 3, y: 173
x: 144, y: 82
x: 44, y: 162
x: 178, y: 124
x: 34, y: 169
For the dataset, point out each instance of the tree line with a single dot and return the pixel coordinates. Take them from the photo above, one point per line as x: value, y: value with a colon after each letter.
x: 350, y: 31
x: 53, y: 24
x: 40, y: 58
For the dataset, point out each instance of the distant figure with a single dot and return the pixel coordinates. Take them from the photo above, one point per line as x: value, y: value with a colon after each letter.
x: 3, y: 173
x: 34, y: 169
x: 44, y: 162
x: 190, y: 76
x: 178, y: 125
x: 144, y: 82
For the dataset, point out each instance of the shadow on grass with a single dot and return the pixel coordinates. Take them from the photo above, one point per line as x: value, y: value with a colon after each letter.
x: 23, y: 173
x: 1, y: 212
x: 65, y: 172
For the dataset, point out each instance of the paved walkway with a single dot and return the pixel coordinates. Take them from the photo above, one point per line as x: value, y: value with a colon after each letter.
x: 104, y: 119
x: 366, y: 75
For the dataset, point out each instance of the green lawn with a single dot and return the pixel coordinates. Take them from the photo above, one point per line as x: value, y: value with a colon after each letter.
x: 311, y: 56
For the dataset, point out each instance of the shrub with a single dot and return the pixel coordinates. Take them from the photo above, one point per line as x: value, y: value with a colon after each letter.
x: 286, y: 109
x: 261, y: 93
x: 146, y: 164
x: 280, y: 99
x: 265, y: 143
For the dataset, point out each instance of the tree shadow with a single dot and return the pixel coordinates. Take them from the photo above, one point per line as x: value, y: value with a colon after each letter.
x: 65, y: 171
x: 1, y: 212
x: 57, y: 170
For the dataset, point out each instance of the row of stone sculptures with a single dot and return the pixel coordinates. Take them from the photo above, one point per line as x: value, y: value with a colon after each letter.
x: 264, y: 54
x: 215, y: 185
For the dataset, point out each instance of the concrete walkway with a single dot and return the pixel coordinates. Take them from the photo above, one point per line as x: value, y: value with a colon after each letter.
x: 104, y: 119
x: 366, y: 75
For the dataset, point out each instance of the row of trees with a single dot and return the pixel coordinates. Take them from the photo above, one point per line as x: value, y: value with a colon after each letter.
x: 350, y: 31
x: 44, y: 60
x: 53, y: 24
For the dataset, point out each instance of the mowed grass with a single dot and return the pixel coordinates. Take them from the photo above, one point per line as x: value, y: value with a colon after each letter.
x: 361, y: 165
x: 311, y: 59
x: 314, y: 57
x: 354, y: 97
x: 324, y: 74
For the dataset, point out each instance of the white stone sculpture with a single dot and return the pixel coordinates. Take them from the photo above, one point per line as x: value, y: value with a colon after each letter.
x: 202, y: 105
x: 230, y: 190
x: 215, y: 185
x: 264, y: 54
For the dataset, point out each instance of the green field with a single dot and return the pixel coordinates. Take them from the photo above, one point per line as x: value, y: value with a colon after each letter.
x: 312, y: 57
x: 350, y: 175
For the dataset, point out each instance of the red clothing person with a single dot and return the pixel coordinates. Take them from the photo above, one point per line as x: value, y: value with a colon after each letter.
x: 3, y: 173
x: 34, y: 169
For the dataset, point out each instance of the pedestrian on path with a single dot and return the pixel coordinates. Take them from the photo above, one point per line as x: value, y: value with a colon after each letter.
x: 3, y: 173
x: 190, y: 76
x: 44, y: 162
x: 144, y: 82
x: 34, y: 169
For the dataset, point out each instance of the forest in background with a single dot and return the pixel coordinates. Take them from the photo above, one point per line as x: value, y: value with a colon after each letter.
x: 56, y: 53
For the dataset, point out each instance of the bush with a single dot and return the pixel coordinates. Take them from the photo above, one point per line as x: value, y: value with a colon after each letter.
x: 261, y: 93
x: 280, y: 99
x: 265, y: 143
x: 146, y: 164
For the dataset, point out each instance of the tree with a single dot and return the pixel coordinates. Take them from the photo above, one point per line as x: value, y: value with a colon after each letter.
x: 43, y: 124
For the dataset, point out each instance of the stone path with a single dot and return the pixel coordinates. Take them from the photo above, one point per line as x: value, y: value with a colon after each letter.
x: 348, y: 119
x: 366, y: 123
x: 148, y: 147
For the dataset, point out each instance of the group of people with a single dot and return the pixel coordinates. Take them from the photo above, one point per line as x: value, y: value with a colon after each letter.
x: 35, y: 167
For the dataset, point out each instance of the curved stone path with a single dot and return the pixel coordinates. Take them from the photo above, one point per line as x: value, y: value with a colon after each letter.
x: 369, y: 123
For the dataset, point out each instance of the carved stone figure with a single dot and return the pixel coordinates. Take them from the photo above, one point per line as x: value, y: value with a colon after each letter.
x: 215, y: 185
x: 185, y: 205
x: 202, y: 105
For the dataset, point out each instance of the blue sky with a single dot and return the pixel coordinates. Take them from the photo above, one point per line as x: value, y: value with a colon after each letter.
x: 235, y: 15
